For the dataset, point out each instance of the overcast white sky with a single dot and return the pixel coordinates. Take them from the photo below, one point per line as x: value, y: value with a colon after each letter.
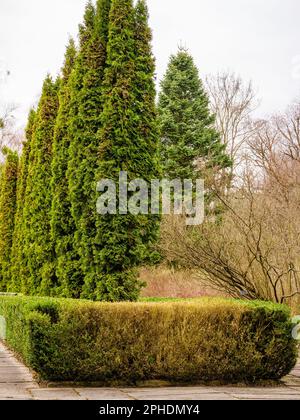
x: 257, y: 39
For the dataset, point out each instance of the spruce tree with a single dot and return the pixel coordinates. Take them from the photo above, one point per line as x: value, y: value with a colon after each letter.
x: 38, y: 247
x: 17, y: 257
x: 189, y: 139
x: 84, y: 125
x: 128, y: 142
x: 7, y: 214
x: 62, y: 224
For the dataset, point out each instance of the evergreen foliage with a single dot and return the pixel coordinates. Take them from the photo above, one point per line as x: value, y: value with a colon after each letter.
x: 62, y: 224
x: 7, y: 213
x: 38, y: 247
x: 98, y: 119
x: 128, y: 142
x: 84, y: 125
x: 17, y: 255
x: 189, y: 140
x: 209, y: 339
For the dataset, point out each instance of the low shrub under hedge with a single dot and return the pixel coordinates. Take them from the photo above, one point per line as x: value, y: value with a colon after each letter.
x: 201, y: 340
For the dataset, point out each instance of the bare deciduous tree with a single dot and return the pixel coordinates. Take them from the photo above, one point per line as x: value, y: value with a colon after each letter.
x: 9, y: 135
x: 288, y: 126
x: 253, y: 250
x: 275, y: 148
x: 233, y: 103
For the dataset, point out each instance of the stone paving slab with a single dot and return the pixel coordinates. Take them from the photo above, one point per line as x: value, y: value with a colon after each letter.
x: 15, y: 376
x: 102, y: 394
x: 175, y: 390
x: 260, y: 391
x: 17, y: 383
x: 296, y: 373
x: 15, y: 399
x: 194, y: 394
x: 17, y: 387
x: 270, y: 396
x: 55, y: 394
x: 9, y: 362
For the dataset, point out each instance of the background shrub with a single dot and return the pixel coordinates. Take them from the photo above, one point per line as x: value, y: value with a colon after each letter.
x: 196, y: 340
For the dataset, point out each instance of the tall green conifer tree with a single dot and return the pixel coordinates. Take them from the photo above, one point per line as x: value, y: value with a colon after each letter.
x: 128, y: 143
x: 38, y: 247
x: 17, y: 257
x: 85, y: 143
x: 62, y: 223
x: 76, y: 118
x: 189, y: 140
x: 69, y: 127
x: 7, y: 214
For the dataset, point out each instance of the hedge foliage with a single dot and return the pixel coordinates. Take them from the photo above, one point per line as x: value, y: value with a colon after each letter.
x: 198, y: 340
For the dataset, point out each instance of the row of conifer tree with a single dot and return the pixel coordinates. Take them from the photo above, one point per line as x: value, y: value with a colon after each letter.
x: 96, y: 119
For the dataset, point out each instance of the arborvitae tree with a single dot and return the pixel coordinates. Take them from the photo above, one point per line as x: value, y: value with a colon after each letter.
x: 149, y: 165
x: 189, y: 140
x: 128, y: 143
x: 17, y: 257
x: 62, y: 224
x: 84, y: 125
x: 7, y: 213
x: 38, y: 249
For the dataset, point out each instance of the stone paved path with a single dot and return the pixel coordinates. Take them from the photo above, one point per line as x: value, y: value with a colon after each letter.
x: 17, y: 383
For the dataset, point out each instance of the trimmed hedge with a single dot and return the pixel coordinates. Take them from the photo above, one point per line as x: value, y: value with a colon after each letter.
x: 199, y: 340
